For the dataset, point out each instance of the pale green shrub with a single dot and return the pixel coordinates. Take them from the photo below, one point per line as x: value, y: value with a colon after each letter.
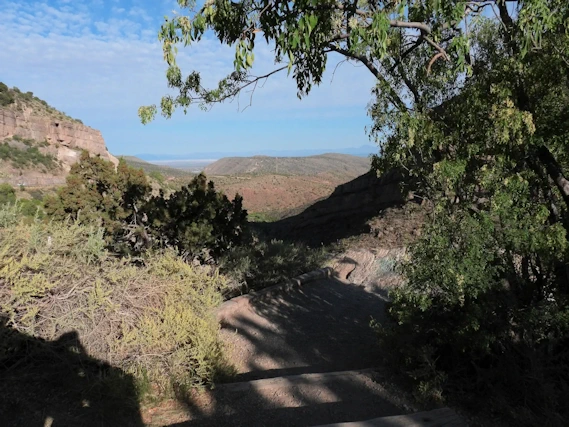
x: 10, y: 214
x: 155, y: 321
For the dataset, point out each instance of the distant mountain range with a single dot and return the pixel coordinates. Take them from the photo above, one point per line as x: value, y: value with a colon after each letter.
x: 362, y: 151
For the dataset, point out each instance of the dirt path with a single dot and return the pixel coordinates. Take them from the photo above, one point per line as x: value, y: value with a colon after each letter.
x: 323, y: 326
x: 305, y: 355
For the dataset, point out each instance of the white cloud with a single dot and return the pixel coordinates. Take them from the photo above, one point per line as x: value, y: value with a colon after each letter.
x: 140, y: 13
x: 103, y: 66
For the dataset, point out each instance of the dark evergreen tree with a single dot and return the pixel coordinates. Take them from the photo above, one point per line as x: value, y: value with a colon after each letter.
x: 96, y: 193
x: 197, y: 219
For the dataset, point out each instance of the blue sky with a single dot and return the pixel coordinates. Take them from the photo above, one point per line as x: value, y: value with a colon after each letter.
x: 100, y: 60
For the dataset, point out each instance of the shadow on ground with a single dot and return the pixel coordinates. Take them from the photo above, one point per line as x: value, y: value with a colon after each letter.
x: 344, y: 214
x: 55, y: 383
x: 321, y: 327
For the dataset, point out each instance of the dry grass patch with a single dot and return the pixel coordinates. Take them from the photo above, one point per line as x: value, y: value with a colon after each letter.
x: 153, y: 321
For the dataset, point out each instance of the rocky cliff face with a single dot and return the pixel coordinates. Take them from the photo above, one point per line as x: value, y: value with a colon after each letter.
x: 66, y: 138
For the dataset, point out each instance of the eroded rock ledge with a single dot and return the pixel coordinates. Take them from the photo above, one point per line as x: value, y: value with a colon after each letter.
x: 66, y: 136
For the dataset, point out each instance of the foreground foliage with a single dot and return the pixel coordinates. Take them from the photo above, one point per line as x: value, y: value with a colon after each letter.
x: 155, y: 321
x: 12, y: 210
x: 486, y: 305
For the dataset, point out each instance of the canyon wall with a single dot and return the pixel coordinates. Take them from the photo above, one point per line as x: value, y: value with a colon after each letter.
x: 66, y: 136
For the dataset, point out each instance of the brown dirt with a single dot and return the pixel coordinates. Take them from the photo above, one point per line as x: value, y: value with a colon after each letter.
x: 322, y: 327
x: 278, y: 194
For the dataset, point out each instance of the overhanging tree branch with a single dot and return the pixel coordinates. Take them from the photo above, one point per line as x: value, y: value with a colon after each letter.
x: 441, y: 51
x: 424, y: 28
x: 555, y: 171
x: 305, y: 31
x: 504, y: 15
x: 404, y: 55
x: 373, y: 69
x: 245, y: 84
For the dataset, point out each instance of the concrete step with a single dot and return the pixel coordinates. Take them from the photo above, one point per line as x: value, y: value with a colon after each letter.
x: 442, y: 417
x: 296, y: 400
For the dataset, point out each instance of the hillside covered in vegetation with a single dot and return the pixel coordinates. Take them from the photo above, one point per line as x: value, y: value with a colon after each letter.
x: 16, y: 100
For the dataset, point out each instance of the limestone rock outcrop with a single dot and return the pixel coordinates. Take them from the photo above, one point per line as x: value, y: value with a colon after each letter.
x: 66, y: 136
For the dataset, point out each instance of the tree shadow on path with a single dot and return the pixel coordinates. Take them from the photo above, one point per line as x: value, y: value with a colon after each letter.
x: 320, y: 327
x: 55, y: 383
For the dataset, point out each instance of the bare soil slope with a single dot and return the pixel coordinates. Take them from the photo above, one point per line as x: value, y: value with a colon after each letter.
x: 276, y: 195
x: 273, y: 187
x: 367, y: 205
x: 280, y: 186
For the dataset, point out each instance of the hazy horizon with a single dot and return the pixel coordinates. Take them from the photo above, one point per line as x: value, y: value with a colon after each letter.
x: 360, y: 151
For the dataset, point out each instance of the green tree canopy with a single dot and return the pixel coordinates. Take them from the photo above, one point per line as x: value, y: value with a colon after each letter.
x: 412, y: 47
x: 488, y: 285
x: 197, y: 219
x: 97, y: 193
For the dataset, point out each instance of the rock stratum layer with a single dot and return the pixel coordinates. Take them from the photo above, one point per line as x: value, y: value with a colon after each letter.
x: 66, y: 139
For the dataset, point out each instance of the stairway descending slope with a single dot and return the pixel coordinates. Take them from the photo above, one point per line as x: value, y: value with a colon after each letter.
x: 322, y: 326
x: 305, y: 357
x: 294, y: 400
